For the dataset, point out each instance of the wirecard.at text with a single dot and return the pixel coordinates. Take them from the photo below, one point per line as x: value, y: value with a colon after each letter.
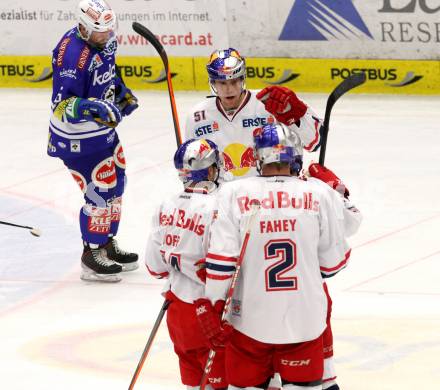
x: 189, y: 39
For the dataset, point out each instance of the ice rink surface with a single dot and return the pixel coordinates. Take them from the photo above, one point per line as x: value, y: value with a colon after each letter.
x: 58, y: 332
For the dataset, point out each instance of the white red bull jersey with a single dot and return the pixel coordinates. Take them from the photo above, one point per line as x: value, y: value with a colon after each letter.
x: 297, y: 238
x: 234, y: 133
x: 352, y: 216
x: 178, y: 242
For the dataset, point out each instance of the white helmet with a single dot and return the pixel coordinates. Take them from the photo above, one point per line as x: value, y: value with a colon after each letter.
x: 96, y: 15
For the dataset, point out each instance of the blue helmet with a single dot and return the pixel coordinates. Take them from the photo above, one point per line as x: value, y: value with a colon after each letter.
x: 226, y: 65
x: 193, y: 158
x: 275, y: 143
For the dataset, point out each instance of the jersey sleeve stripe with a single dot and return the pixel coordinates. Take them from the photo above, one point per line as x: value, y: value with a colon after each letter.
x: 218, y: 277
x: 158, y: 275
x: 315, y: 141
x: 330, y: 275
x: 341, y: 265
x: 221, y: 258
x: 220, y: 267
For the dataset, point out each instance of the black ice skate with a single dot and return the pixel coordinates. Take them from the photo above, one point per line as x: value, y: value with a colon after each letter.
x: 127, y: 260
x: 97, y: 267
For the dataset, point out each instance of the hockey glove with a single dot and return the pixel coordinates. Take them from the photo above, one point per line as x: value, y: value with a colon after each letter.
x: 327, y: 176
x: 125, y: 100
x: 282, y: 103
x: 201, y: 270
x: 209, y: 318
x: 100, y: 111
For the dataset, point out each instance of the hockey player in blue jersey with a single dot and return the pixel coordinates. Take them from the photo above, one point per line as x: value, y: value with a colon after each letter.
x: 88, y: 102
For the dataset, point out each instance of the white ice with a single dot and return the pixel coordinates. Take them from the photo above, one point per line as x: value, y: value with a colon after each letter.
x: 58, y: 332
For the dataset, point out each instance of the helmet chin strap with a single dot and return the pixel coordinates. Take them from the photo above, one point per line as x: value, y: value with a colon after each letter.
x: 86, y: 30
x: 217, y: 175
x: 258, y: 166
x: 213, y: 90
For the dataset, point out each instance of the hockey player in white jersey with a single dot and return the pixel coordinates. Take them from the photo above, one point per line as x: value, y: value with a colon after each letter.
x: 279, y: 308
x: 352, y: 219
x: 176, y: 250
x: 231, y: 115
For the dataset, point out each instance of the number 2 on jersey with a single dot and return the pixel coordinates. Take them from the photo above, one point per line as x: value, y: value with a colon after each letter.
x: 285, y: 250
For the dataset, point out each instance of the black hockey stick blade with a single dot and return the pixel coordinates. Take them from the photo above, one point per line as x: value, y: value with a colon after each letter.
x: 348, y: 84
x: 35, y: 232
x: 150, y: 37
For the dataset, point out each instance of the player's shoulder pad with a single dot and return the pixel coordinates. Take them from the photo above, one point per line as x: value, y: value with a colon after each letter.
x: 324, y: 190
x: 72, y: 52
x: 229, y: 187
x: 205, y: 104
x: 318, y: 184
x: 253, y: 98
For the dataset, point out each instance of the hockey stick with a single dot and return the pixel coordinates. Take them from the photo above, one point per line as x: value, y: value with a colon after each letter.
x: 348, y: 84
x: 147, y: 348
x: 35, y: 232
x: 254, y: 208
x: 150, y: 37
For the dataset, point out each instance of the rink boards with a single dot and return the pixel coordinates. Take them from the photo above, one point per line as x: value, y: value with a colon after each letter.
x: 304, y: 75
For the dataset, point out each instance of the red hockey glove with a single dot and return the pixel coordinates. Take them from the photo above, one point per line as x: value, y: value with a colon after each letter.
x: 326, y: 175
x: 201, y: 270
x: 209, y: 318
x: 282, y: 103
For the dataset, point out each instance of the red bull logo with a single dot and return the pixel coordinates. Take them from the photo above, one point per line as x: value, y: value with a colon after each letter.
x: 203, y: 148
x: 238, y: 159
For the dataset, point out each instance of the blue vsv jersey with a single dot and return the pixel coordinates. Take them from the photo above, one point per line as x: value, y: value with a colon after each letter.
x: 80, y: 70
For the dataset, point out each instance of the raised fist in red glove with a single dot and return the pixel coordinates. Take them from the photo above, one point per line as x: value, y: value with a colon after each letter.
x: 282, y: 103
x: 209, y: 317
x: 326, y: 175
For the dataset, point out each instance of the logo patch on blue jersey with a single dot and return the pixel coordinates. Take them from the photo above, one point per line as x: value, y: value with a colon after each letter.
x: 110, y: 48
x: 95, y: 63
x: 111, y: 138
x: 75, y: 146
x: 104, y: 78
x: 69, y: 73
x: 324, y: 20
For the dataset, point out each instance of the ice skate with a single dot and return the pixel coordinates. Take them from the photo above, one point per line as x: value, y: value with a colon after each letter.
x: 97, y: 267
x: 127, y: 260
